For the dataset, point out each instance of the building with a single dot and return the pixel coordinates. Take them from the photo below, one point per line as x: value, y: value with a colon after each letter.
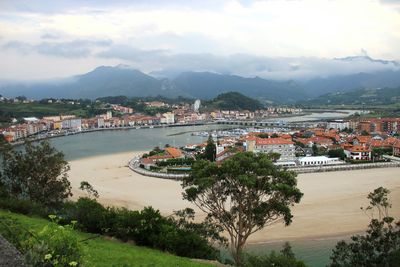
x: 72, y: 124
x: 279, y: 145
x: 396, y: 149
x: 318, y: 161
x: 167, y: 118
x: 358, y: 152
x: 338, y: 124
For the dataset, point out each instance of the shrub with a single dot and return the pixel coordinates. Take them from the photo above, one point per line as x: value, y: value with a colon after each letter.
x: 13, y: 232
x: 23, y: 206
x: 54, y: 246
x: 285, y: 258
x: 90, y: 215
x: 122, y: 223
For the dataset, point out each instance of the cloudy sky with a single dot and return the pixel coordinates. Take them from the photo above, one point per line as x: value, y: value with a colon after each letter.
x: 42, y: 39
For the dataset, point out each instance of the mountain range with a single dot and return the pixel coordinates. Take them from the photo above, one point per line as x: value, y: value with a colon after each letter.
x: 122, y: 80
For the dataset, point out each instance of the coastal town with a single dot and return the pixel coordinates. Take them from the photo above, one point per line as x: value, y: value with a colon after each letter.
x: 318, y: 143
x: 118, y: 116
x: 332, y: 143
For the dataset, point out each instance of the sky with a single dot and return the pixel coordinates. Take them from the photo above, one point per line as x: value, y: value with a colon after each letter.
x: 45, y: 39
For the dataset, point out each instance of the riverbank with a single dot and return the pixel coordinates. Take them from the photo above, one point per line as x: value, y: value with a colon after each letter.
x: 330, y: 206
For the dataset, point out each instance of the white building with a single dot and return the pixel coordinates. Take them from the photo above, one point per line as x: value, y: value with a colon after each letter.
x: 282, y: 146
x: 73, y: 124
x: 168, y: 118
x: 318, y: 161
x: 338, y: 124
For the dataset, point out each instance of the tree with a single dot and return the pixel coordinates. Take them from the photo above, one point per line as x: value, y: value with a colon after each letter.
x: 381, y: 244
x: 210, y: 150
x: 337, y: 153
x: 86, y: 186
x: 39, y: 174
x: 245, y: 194
x: 286, y: 258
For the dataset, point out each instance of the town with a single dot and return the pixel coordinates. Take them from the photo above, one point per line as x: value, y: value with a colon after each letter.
x: 117, y: 116
x: 335, y: 144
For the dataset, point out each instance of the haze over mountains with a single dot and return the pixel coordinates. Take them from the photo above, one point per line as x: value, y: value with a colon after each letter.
x: 123, y: 80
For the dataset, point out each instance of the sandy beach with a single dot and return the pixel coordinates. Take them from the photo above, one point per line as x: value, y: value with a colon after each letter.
x: 330, y: 206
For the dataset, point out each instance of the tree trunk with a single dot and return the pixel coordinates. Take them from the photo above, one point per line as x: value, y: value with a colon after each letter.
x: 237, y: 250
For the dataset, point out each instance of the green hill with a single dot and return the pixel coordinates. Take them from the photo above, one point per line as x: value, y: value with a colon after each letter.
x: 233, y: 101
x: 102, y: 252
x: 359, y: 98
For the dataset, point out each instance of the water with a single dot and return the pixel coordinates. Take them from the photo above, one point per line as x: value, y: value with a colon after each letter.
x: 116, y: 141
x: 315, y: 253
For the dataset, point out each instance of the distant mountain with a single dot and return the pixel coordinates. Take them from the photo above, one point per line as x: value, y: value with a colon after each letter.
x: 207, y: 85
x: 360, y: 97
x: 103, y: 81
x: 122, y: 80
x: 233, y: 101
x: 320, y: 86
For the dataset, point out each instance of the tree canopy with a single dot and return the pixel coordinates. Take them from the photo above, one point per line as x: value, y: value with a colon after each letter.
x: 243, y: 195
x: 380, y: 246
x: 38, y: 172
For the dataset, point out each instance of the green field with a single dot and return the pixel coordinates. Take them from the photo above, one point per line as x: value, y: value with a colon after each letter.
x: 112, y: 253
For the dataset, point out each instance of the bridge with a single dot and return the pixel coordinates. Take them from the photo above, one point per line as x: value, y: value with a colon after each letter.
x: 271, y: 124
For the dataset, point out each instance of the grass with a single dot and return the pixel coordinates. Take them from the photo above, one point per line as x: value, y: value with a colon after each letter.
x: 102, y: 252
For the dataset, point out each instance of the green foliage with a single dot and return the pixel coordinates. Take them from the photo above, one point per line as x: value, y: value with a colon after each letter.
x: 285, y: 258
x: 146, y: 228
x: 234, y: 101
x: 380, y: 246
x: 211, y: 150
x: 38, y: 174
x: 23, y: 206
x: 360, y: 97
x: 337, y: 153
x: 105, y: 252
x: 85, y: 186
x: 90, y: 215
x: 13, y: 232
x: 176, y: 162
x: 54, y: 246
x: 378, y: 152
x: 243, y: 195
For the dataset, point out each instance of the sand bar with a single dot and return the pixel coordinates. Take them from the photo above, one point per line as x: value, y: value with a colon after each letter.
x: 330, y: 206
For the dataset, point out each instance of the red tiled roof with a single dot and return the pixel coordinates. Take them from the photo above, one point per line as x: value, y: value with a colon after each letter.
x: 174, y: 152
x: 363, y: 139
x: 273, y: 141
x: 359, y: 148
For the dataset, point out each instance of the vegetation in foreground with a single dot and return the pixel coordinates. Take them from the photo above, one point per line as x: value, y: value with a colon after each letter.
x: 97, y: 250
x: 380, y: 246
x: 243, y: 195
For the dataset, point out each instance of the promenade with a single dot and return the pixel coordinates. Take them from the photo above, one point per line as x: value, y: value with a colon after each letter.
x: 134, y: 166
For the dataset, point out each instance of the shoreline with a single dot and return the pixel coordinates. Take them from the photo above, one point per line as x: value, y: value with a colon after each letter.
x: 330, y: 208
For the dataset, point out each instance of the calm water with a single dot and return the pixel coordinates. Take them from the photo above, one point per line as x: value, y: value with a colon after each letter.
x: 115, y: 141
x: 314, y: 252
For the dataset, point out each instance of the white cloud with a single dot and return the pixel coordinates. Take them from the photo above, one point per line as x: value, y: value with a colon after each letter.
x: 270, y: 28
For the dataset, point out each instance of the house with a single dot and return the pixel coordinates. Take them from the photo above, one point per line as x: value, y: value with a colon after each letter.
x: 396, y: 149
x: 358, y: 152
x: 267, y: 145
